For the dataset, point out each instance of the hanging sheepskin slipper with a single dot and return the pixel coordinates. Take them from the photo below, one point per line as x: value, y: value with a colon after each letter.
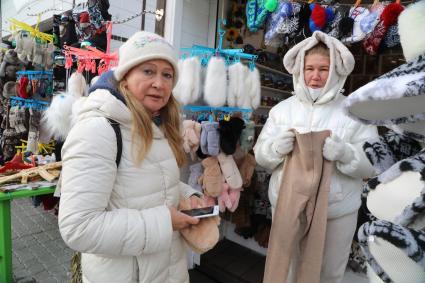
x: 237, y: 87
x: 215, y: 87
x: 187, y: 89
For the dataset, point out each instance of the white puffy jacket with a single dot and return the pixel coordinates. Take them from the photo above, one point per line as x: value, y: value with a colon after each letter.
x: 299, y: 112
x: 118, y: 218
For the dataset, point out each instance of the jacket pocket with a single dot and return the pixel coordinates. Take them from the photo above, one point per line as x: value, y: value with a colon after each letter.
x: 336, y: 194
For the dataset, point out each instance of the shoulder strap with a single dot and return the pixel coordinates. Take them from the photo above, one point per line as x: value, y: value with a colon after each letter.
x: 116, y: 126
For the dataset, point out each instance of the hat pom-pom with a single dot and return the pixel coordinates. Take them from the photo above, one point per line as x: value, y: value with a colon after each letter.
x: 317, y: 18
x: 390, y: 14
x: 330, y: 15
x: 271, y: 5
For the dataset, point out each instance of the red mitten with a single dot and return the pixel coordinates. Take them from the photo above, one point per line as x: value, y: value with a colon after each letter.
x: 23, y: 84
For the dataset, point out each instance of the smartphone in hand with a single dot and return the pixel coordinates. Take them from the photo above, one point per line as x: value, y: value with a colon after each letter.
x: 202, y: 212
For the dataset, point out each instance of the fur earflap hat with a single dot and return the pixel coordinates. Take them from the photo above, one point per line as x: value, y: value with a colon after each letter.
x: 141, y: 47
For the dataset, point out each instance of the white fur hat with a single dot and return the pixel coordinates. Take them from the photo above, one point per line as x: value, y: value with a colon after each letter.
x: 411, y: 27
x: 141, y: 47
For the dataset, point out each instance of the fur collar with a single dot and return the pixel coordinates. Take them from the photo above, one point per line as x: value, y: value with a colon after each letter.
x: 107, y: 81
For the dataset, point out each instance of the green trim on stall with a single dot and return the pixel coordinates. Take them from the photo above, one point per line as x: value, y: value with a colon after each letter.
x: 6, y: 228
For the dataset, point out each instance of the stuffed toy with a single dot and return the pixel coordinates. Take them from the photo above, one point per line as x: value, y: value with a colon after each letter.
x: 210, y: 139
x: 246, y: 168
x: 212, y: 178
x: 393, y: 243
x: 203, y: 236
x: 195, y: 173
x: 229, y: 198
x: 188, y: 90
x: 191, y: 137
x: 230, y: 132
x: 230, y: 171
x: 388, y: 18
x: 215, y: 87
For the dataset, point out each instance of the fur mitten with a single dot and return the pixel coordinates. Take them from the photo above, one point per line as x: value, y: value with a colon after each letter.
x: 230, y: 132
x: 77, y: 84
x: 336, y: 149
x: 39, y: 50
x: 254, y: 93
x: 203, y: 236
x: 230, y: 171
x: 284, y: 143
x: 247, y: 169
x: 247, y: 136
x: 229, y: 198
x: 237, y: 86
x: 210, y: 139
x: 195, y: 172
x: 187, y: 89
x: 212, y: 178
x: 191, y: 136
x: 215, y: 87
x: 49, y: 56
x: 56, y: 119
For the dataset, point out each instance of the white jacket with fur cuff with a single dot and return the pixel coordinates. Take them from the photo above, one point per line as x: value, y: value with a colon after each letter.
x: 119, y: 218
x: 302, y: 114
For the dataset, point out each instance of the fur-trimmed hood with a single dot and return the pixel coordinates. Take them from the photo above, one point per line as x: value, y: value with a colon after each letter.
x: 341, y: 65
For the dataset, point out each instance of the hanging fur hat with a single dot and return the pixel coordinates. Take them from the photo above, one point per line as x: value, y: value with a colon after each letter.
x: 411, y: 27
x: 77, y: 84
x: 215, y: 87
x: 318, y: 17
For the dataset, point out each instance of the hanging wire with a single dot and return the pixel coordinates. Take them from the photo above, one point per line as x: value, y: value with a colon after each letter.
x: 158, y: 16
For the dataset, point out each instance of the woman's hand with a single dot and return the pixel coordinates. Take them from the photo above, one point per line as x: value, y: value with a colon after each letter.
x: 180, y: 220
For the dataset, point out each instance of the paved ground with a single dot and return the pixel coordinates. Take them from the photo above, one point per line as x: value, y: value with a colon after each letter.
x: 40, y: 255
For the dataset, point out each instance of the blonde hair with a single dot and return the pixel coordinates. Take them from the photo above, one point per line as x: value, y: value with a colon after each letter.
x: 141, y: 127
x: 320, y: 48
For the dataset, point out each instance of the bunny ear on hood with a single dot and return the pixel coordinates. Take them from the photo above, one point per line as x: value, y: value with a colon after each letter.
x: 341, y: 65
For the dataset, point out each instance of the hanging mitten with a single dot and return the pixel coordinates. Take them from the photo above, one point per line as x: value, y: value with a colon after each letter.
x: 33, y: 135
x: 195, y: 172
x: 357, y: 14
x: 212, y: 178
x: 187, y: 89
x: 23, y: 87
x: 215, y: 87
x: 247, y: 136
x: 237, y: 86
x: 229, y: 198
x: 392, y: 38
x: 77, y: 84
x: 39, y: 50
x: 230, y: 132
x: 210, y: 138
x: 230, y: 171
x: 369, y: 22
x: 203, y: 236
x: 49, y: 56
x: 388, y: 18
x: 246, y: 169
x: 21, y: 120
x: 191, y: 137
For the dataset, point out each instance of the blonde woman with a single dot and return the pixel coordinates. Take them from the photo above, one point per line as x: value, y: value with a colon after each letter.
x: 124, y: 220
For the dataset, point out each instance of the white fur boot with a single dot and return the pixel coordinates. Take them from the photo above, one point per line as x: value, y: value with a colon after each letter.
x: 215, y: 82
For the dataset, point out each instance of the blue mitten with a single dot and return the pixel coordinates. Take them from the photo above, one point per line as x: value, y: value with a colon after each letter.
x: 213, y: 138
x: 195, y: 172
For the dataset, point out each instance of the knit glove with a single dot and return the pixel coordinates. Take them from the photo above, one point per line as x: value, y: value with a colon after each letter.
x: 284, y: 143
x: 336, y: 149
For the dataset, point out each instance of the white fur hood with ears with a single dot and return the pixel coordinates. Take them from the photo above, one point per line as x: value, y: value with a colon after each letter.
x: 341, y: 65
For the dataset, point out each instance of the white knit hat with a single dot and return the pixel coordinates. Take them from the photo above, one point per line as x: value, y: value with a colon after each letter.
x: 141, y: 47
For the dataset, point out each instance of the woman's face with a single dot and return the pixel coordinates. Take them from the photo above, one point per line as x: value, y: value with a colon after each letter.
x: 316, y: 70
x: 151, y: 83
